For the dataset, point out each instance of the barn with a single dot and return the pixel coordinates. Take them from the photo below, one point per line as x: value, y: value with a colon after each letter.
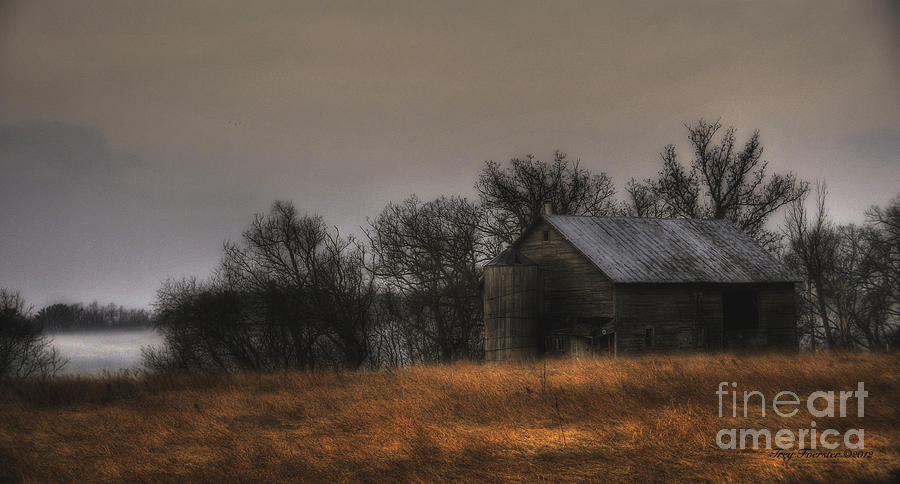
x: 584, y: 286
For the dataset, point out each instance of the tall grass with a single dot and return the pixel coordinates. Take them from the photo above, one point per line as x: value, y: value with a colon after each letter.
x: 634, y: 419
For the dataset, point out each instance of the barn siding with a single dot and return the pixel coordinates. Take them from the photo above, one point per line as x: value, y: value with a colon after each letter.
x: 778, y: 314
x: 688, y: 317
x: 511, y: 301
x: 682, y: 317
x: 572, y: 286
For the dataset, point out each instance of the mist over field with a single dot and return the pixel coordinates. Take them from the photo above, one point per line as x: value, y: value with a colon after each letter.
x: 95, y: 352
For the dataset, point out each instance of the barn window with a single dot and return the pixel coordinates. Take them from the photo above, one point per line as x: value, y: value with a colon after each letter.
x: 546, y: 236
x: 648, y: 337
x: 740, y: 310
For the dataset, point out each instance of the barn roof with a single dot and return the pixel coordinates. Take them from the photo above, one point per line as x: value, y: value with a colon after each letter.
x: 651, y: 250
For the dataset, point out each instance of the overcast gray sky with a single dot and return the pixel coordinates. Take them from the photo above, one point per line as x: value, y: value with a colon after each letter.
x: 136, y: 136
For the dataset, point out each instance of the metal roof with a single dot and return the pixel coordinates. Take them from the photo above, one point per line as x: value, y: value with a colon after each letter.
x: 652, y: 250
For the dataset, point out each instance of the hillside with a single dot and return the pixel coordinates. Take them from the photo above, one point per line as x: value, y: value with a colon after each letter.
x: 642, y: 419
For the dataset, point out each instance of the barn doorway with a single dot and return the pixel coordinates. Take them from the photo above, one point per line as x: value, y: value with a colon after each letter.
x: 605, y: 344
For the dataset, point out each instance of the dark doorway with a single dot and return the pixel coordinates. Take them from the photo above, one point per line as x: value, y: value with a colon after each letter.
x: 740, y: 310
x: 605, y: 344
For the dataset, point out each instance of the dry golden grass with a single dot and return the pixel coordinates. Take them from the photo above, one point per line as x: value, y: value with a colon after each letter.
x: 629, y: 419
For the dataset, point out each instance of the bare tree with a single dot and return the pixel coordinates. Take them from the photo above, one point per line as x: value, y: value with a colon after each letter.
x: 394, y: 341
x: 290, y: 293
x: 515, y: 195
x: 887, y: 221
x: 344, y: 293
x: 723, y: 181
x: 430, y: 255
x: 812, y: 252
x: 311, y: 272
x: 850, y: 296
x: 643, y: 201
x: 24, y: 352
x: 885, y: 261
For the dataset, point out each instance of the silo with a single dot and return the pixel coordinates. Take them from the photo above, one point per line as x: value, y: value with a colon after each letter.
x: 511, y: 307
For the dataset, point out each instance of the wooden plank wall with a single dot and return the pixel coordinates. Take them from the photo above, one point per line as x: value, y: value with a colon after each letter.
x: 682, y: 317
x: 778, y: 314
x: 572, y: 286
x: 688, y: 317
x: 511, y: 301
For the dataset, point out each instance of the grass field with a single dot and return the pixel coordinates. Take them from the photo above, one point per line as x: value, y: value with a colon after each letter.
x: 637, y: 419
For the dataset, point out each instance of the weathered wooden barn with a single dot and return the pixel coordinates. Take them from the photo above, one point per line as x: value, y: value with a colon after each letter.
x: 623, y: 285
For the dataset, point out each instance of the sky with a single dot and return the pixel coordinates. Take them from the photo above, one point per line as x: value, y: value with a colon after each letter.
x: 136, y: 137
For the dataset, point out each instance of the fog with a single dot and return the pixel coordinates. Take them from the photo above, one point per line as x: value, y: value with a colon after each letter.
x: 96, y: 352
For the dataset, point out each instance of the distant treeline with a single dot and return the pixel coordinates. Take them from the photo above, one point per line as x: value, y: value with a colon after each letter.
x: 25, y: 348
x: 93, y: 316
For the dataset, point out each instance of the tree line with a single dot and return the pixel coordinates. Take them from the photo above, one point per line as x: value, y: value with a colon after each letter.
x: 849, y: 297
x: 25, y: 348
x: 293, y: 292
x: 93, y: 316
